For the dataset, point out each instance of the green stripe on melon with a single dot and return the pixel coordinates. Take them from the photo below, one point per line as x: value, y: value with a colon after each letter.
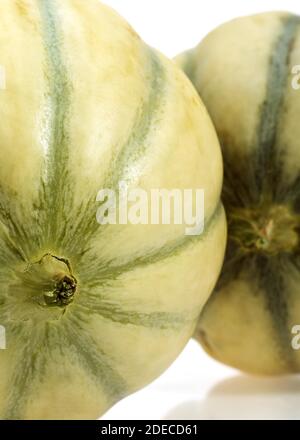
x: 94, y: 313
x: 244, y: 68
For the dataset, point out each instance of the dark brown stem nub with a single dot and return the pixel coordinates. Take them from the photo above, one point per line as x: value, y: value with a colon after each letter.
x: 64, y: 291
x: 54, y: 280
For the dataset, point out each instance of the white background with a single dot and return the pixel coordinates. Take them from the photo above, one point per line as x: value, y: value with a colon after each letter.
x: 173, y: 26
x: 195, y: 386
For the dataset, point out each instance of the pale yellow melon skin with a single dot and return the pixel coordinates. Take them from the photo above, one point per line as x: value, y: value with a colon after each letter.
x: 52, y: 367
x: 229, y: 69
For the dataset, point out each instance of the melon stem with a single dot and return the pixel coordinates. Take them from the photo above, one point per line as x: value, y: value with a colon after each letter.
x: 54, y: 279
x: 270, y: 230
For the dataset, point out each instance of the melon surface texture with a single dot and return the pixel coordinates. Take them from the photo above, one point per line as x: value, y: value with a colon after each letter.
x: 245, y: 73
x: 94, y: 312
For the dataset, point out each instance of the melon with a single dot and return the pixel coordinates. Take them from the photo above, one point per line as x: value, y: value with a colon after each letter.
x: 247, y: 72
x: 92, y: 312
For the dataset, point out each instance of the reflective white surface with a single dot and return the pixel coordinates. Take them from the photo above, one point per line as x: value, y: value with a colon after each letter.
x: 196, y: 387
